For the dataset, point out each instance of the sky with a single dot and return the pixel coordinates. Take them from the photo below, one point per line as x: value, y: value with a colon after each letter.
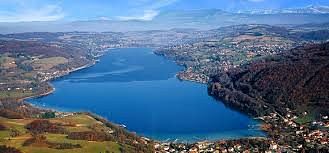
x: 72, y: 10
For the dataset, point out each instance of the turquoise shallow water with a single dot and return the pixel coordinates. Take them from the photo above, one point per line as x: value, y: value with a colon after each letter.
x: 139, y: 89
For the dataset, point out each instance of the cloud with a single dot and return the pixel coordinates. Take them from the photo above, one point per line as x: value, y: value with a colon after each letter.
x: 150, y: 9
x: 147, y: 16
x: 256, y: 0
x: 162, y: 3
x: 104, y: 18
x: 44, y: 13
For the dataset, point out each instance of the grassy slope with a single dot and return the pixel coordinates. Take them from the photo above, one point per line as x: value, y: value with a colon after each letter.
x: 82, y: 123
x: 15, y: 94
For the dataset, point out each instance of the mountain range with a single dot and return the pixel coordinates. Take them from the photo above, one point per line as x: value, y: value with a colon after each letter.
x: 312, y: 9
x: 197, y: 19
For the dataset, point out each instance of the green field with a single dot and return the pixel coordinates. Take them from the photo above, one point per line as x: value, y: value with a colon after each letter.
x: 81, y: 122
x: 15, y: 94
x: 87, y: 146
x: 305, y: 119
x: 48, y: 63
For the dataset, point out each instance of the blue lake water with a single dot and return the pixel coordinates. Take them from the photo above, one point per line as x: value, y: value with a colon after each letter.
x: 139, y: 89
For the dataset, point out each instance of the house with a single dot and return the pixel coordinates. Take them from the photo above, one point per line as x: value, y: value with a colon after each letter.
x: 231, y: 149
x: 156, y: 146
x: 300, y: 146
x: 326, y: 124
x: 324, y: 141
x: 273, y: 146
x: 166, y: 148
x: 273, y: 115
x: 237, y: 147
x: 181, y: 146
x: 210, y: 150
x: 202, y: 146
x: 193, y: 149
x: 223, y: 150
x: 294, y: 125
x: 110, y: 131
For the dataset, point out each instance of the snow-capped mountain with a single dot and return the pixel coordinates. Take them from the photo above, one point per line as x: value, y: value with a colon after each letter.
x: 306, y: 10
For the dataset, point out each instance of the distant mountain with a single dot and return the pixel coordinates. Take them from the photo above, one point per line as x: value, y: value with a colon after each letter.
x: 214, y: 18
x: 203, y: 19
x: 306, y: 10
x: 314, y: 25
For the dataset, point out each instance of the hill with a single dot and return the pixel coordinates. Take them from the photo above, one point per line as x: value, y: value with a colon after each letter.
x: 67, y: 132
x: 294, y: 80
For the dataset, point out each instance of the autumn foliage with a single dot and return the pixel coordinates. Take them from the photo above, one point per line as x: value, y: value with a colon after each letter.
x: 41, y: 126
x: 5, y: 149
x: 10, y: 114
x: 291, y: 79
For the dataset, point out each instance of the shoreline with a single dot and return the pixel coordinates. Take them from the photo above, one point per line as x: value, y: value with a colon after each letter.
x: 53, y: 89
x: 39, y: 95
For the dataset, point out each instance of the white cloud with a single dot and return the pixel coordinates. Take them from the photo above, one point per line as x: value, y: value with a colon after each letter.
x: 162, y: 3
x: 104, y: 18
x: 45, y: 13
x: 256, y: 0
x: 147, y: 16
x: 150, y: 9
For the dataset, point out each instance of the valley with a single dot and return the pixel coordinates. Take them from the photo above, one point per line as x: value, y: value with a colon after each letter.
x: 241, y: 64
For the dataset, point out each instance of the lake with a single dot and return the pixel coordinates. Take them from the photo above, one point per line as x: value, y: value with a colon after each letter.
x: 139, y: 89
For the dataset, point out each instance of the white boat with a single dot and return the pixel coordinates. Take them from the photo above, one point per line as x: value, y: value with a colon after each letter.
x: 122, y: 125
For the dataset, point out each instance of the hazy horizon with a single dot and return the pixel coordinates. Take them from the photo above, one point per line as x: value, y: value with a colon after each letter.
x: 145, y: 10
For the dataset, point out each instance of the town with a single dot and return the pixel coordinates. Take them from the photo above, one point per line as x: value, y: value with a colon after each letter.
x: 285, y: 134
